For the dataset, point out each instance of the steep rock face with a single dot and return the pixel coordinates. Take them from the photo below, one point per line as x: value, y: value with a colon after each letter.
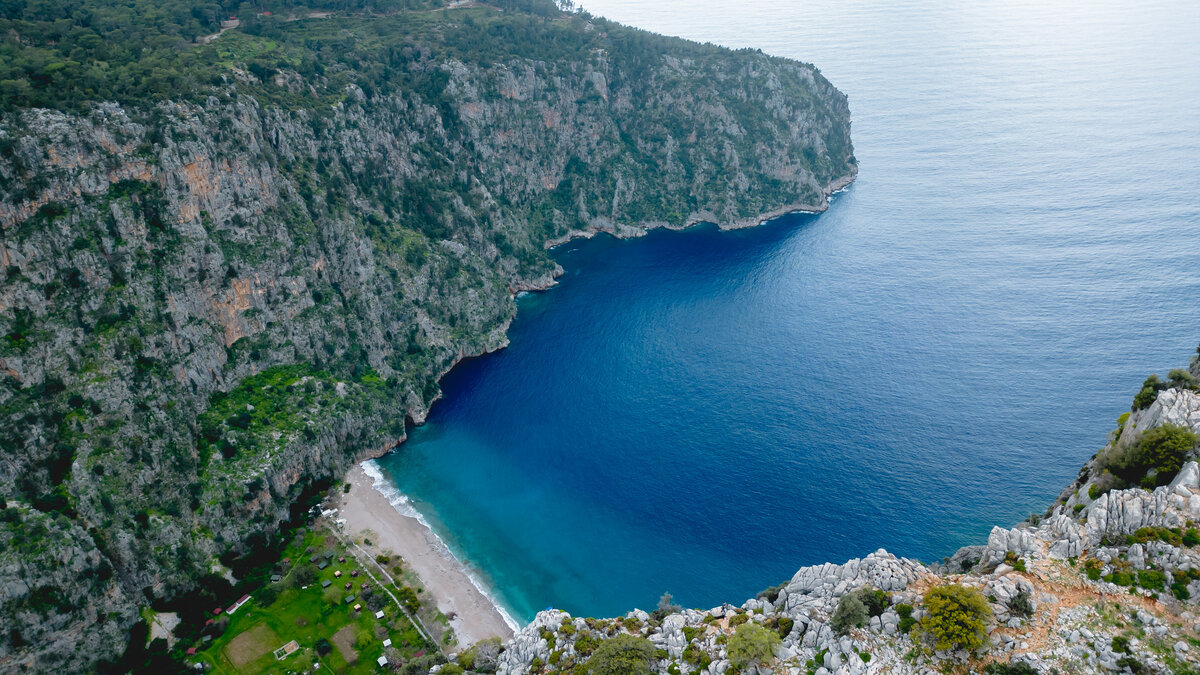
x: 207, y: 306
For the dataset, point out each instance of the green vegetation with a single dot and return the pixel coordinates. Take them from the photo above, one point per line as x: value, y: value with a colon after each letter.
x: 855, y: 608
x: 325, y: 626
x: 1021, y: 604
x: 1174, y: 536
x: 957, y: 617
x: 622, y: 655
x: 752, y: 644
x: 277, y: 405
x: 1154, y: 460
x: 1009, y: 669
x: 907, y: 622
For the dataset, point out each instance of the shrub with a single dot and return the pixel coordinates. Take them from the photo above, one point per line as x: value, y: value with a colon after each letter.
x: 1148, y: 392
x: 1152, y: 579
x: 622, y: 655
x: 1155, y: 458
x: 1009, y: 669
x: 737, y: 620
x: 751, y: 644
x: 850, y: 613
x: 785, y: 626
x: 1092, y: 568
x: 1021, y: 605
x: 481, y: 656
x: 770, y: 594
x: 665, y: 608
x: 906, y: 618
x: 957, y: 617
x: 697, y: 657
x: 1131, y: 663
x: 1182, y: 379
x: 1120, y: 644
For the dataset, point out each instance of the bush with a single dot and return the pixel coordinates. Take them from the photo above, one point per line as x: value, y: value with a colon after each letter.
x: 856, y: 607
x: 785, y: 626
x: 665, y: 608
x: 957, y: 617
x: 751, y: 644
x: 906, y: 618
x: 1120, y: 644
x: 1148, y: 392
x: 622, y: 655
x: 770, y: 594
x: 1152, y: 579
x: 1155, y: 459
x: 1182, y: 379
x: 1021, y: 605
x: 1131, y: 663
x: 850, y: 613
x: 1009, y: 669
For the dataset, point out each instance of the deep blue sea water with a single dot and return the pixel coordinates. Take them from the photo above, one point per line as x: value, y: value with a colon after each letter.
x: 705, y: 412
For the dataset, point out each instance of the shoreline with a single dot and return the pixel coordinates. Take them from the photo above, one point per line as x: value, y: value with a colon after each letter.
x: 374, y: 505
x: 622, y: 231
x: 376, y: 510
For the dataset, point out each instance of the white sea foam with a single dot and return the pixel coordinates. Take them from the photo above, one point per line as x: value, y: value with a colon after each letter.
x: 404, y: 507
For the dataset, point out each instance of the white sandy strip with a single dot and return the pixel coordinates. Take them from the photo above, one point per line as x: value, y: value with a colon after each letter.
x: 374, y: 508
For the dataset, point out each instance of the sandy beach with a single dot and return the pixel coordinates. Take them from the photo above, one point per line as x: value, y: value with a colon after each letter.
x: 368, y: 513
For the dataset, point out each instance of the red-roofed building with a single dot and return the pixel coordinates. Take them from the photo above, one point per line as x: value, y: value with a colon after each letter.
x: 218, y: 610
x: 237, y: 605
x: 191, y: 651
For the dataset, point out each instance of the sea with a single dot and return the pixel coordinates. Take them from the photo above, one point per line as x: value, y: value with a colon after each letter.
x: 704, y: 412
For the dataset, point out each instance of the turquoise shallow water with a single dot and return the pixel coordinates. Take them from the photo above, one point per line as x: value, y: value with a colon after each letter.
x: 705, y: 412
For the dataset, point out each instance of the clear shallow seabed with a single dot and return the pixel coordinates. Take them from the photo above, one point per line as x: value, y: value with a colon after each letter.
x: 705, y: 412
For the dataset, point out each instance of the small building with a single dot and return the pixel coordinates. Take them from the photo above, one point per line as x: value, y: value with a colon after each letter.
x: 387, y: 643
x: 379, y: 615
x: 287, y: 561
x: 237, y: 605
x: 326, y: 583
x: 329, y: 555
x: 349, y: 599
x: 337, y: 573
x: 349, y: 585
x: 206, y: 639
x: 217, y: 611
x: 313, y: 559
x: 357, y: 607
x: 275, y: 578
x: 323, y: 565
x: 382, y: 661
x: 191, y: 651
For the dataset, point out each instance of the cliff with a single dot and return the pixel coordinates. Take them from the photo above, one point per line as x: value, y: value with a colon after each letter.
x: 1106, y: 581
x: 249, y: 265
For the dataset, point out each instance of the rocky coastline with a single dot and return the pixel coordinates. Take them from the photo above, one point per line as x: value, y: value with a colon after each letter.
x: 1105, y: 581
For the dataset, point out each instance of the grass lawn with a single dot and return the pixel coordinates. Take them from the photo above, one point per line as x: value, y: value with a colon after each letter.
x: 310, y: 614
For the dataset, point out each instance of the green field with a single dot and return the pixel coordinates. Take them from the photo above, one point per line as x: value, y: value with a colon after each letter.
x: 307, y: 613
